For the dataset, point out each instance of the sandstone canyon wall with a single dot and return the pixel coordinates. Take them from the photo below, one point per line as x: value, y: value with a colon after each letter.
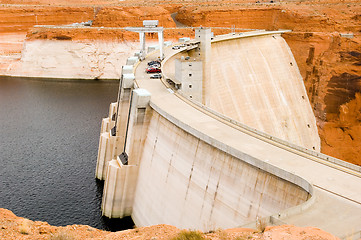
x: 70, y: 59
x: 329, y: 63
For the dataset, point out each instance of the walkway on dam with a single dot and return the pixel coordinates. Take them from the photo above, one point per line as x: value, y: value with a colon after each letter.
x: 337, y: 195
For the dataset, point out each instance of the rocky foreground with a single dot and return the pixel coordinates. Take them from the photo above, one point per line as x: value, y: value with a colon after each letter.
x: 14, y: 227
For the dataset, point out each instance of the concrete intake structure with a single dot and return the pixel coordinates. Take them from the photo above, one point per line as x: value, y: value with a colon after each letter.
x: 188, y: 165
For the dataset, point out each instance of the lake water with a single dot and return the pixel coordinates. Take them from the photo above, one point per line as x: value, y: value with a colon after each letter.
x: 49, y: 133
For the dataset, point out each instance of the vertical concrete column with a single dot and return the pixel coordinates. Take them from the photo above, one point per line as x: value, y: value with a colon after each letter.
x: 138, y: 125
x: 123, y: 113
x: 111, y: 146
x: 112, y: 114
x: 104, y: 154
x: 108, y: 123
x: 112, y: 110
x: 105, y: 127
x: 204, y: 36
x: 104, y: 147
x: 132, y: 60
x: 142, y: 45
x: 121, y: 180
x: 161, y: 44
x: 119, y: 189
x: 117, y: 141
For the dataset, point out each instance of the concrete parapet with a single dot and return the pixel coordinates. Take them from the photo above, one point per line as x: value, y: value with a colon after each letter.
x: 137, y: 54
x: 152, y: 48
x: 119, y: 187
x: 184, y: 39
x: 167, y: 43
x: 347, y: 35
x: 128, y: 80
x: 256, y: 33
x: 132, y: 60
x: 127, y: 69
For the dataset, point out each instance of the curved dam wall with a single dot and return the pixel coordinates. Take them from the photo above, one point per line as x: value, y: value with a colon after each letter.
x: 172, y: 160
x: 198, y: 186
x: 179, y: 176
x: 256, y: 81
x: 176, y: 175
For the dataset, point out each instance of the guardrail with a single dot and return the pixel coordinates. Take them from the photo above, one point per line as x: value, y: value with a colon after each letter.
x: 308, y: 153
x: 266, y: 136
x: 124, y: 28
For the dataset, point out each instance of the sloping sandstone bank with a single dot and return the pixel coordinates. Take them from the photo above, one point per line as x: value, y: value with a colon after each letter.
x: 13, y: 227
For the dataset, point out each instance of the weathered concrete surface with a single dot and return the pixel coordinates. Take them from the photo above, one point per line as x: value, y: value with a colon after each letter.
x: 199, y: 170
x: 277, y: 159
x: 119, y: 189
x: 256, y: 81
x: 186, y: 182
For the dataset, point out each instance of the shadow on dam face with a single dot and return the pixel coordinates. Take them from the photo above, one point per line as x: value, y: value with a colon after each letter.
x: 113, y: 224
x: 118, y: 224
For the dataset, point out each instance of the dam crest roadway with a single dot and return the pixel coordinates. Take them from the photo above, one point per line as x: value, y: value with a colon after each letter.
x: 226, y: 137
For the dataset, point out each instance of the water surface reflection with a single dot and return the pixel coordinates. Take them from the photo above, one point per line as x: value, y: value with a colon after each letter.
x: 49, y: 133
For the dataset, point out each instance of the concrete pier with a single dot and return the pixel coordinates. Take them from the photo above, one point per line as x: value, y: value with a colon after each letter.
x: 122, y: 174
x: 114, y: 127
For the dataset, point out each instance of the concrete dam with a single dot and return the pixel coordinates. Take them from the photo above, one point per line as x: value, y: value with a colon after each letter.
x: 226, y: 136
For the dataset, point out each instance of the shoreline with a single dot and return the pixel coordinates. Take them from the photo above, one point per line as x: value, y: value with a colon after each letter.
x: 54, y: 79
x: 14, y: 227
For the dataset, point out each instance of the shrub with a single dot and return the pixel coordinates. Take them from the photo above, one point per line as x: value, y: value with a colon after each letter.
x: 261, y: 224
x: 189, y: 235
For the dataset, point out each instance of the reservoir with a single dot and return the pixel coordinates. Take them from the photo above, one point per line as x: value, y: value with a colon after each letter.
x: 49, y: 133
